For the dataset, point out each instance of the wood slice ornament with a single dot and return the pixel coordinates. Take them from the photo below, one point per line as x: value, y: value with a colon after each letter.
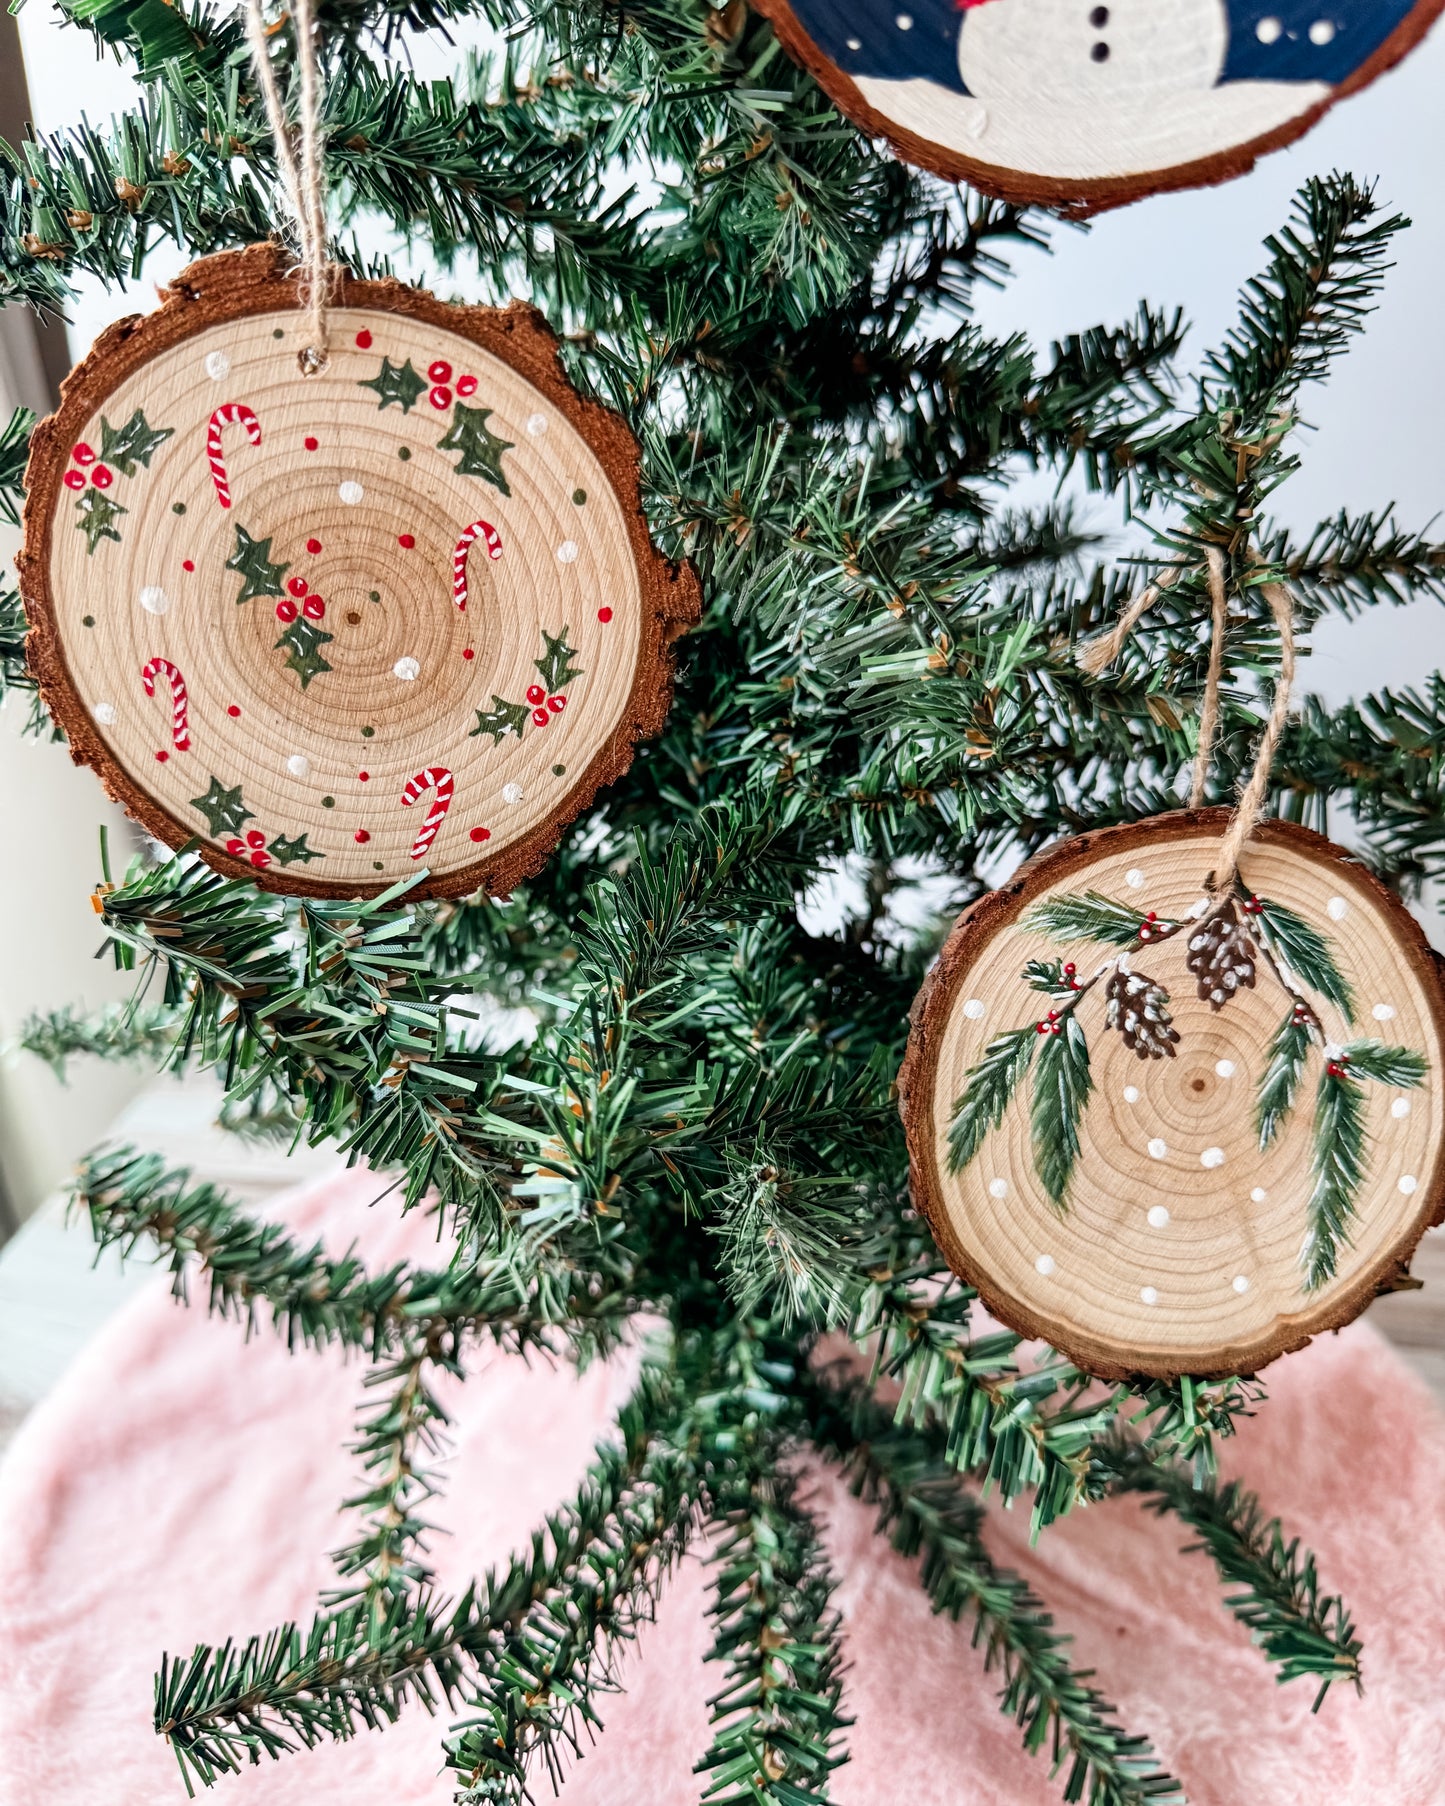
x: 1073, y: 103
x: 402, y: 615
x: 1172, y: 1132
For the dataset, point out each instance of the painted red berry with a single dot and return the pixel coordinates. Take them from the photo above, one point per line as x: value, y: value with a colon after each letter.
x: 406, y: 541
x: 481, y: 834
x: 540, y: 718
x: 233, y: 711
x: 235, y: 846
x: 536, y: 694
x: 1069, y: 968
x: 75, y: 479
x: 467, y: 652
x: 604, y: 615
x: 1041, y: 1028
x: 83, y: 454
x: 440, y: 397
x: 188, y: 564
x: 1153, y: 916
x: 101, y: 476
x: 285, y: 611
x: 1056, y: 1028
x: 466, y: 385
x: 364, y: 776
x: 313, y: 545
x: 311, y: 442
x: 313, y: 608
x: 439, y: 372
x: 161, y: 757
x: 363, y: 340
x: 361, y: 837
x: 298, y: 586
x: 255, y: 838
x: 556, y: 704
x: 260, y: 860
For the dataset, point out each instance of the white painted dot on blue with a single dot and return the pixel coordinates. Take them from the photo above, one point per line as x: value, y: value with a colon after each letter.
x: 904, y: 21
x: 1322, y: 32
x: 1148, y: 1295
x: 1258, y: 1195
x: 1407, y: 1183
x: 1158, y: 1148
x: 998, y: 1188
x: 1269, y: 31
x: 975, y: 1009
x: 1044, y: 1264
x: 1400, y: 1107
x: 1212, y: 1157
x: 1158, y: 1217
x: 1241, y: 1283
x: 855, y: 43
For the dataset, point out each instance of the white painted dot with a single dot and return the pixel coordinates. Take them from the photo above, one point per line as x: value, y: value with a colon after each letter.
x: 1400, y: 1107
x: 1148, y: 1295
x: 567, y: 551
x: 975, y: 1009
x: 1268, y: 31
x: 1383, y: 1012
x: 1241, y: 1282
x: 1225, y: 1068
x: 998, y: 1188
x: 536, y: 424
x: 1337, y: 909
x: 1134, y: 879
x: 154, y: 600
x: 351, y: 492
x: 406, y: 669
x: 1322, y: 31
x: 218, y: 366
x: 1044, y: 1264
x: 1158, y: 1149
x: 104, y: 713
x: 1158, y: 1217
x: 904, y: 21
x: 855, y: 43
x: 511, y: 793
x: 299, y: 765
x: 1258, y: 1195
x: 1212, y: 1157
x: 1408, y: 1183
x: 1131, y: 1094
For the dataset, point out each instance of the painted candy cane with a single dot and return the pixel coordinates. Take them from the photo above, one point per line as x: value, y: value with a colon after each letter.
x: 180, y: 728
x: 434, y: 776
x: 233, y: 413
x: 493, y: 540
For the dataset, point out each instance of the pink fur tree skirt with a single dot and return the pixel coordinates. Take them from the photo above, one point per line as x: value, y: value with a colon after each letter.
x: 181, y: 1485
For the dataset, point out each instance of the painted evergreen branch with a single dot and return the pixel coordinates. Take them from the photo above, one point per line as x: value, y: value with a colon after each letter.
x: 1288, y: 1049
x: 1304, y: 951
x: 1090, y: 917
x: 987, y: 1091
x: 1062, y: 1084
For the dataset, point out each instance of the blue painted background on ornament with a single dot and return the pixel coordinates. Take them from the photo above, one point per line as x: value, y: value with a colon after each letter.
x: 927, y: 47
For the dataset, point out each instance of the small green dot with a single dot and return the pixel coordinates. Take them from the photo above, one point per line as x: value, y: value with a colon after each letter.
x: 178, y: 507
x: 276, y: 333
x: 328, y: 802
x: 559, y: 771
x: 376, y: 865
x: 579, y: 496
x: 403, y: 452
x: 87, y: 620
x: 373, y: 595
x: 367, y: 732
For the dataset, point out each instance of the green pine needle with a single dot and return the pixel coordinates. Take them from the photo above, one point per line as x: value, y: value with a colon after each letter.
x: 987, y: 1090
x: 1062, y: 1084
x: 1337, y: 1165
x: 1288, y: 1049
x: 1305, y: 952
x: 1092, y: 917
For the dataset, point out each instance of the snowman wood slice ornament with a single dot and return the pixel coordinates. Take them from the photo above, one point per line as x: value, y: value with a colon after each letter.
x: 1171, y: 1132
x: 402, y: 615
x: 1087, y: 105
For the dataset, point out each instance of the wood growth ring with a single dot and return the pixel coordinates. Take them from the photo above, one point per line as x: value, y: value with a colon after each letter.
x: 272, y: 610
x: 1256, y: 1111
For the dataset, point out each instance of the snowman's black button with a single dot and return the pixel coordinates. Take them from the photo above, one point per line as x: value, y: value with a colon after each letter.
x: 1099, y: 17
x: 1100, y: 52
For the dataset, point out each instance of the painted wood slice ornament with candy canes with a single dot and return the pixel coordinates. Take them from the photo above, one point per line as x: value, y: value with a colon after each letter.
x: 400, y: 615
x: 1074, y: 103
x: 1172, y: 1131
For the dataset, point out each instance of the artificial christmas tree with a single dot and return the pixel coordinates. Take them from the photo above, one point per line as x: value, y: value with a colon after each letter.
x: 703, y: 1128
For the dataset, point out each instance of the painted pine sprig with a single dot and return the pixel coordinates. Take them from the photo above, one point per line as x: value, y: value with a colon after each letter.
x: 1095, y: 917
x: 1302, y: 950
x: 1062, y: 1084
x: 987, y: 1091
x: 1288, y: 1051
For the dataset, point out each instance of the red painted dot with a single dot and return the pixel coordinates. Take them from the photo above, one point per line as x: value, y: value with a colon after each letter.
x: 255, y: 838
x: 439, y: 372
x: 363, y: 340
x: 481, y: 833
x: 285, y: 611
x: 361, y: 837
x: 313, y: 608
x: 604, y: 615
x: 364, y: 776
x: 161, y: 757
x: 313, y: 545
x: 440, y: 398
x: 188, y: 564
x: 406, y: 541
x: 83, y: 454
x: 540, y: 718
x: 298, y: 586
x: 235, y: 846
x: 233, y: 712
x: 466, y: 385
x: 536, y: 694
x: 101, y: 476
x: 310, y: 442
x: 468, y: 653
x: 75, y: 479
x: 556, y: 704
x: 260, y: 861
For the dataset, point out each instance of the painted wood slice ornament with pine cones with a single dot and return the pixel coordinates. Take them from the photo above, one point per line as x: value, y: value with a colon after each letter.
x: 401, y: 615
x: 1177, y: 1132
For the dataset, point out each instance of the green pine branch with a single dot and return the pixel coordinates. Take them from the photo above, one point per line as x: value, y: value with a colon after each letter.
x: 1091, y: 917
x: 1062, y: 1085
x: 121, y: 1031
x: 1305, y: 952
x: 1288, y: 1049
x: 1337, y: 1168
x: 987, y: 1091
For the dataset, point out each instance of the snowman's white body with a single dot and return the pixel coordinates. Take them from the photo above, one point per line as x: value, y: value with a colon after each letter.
x: 1083, y: 89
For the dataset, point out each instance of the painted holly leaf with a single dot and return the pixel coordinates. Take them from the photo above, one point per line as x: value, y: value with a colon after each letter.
x: 1337, y: 1163
x: 223, y: 809
x: 303, y: 640
x: 397, y: 384
x: 293, y: 852
x: 1301, y: 947
x: 252, y: 558
x: 501, y: 719
x: 986, y: 1093
x: 1092, y: 917
x: 1139, y: 1008
x: 1062, y: 1083
x: 481, y: 449
x: 98, y: 515
x: 1221, y: 956
x: 1288, y: 1050
x: 123, y: 447
x: 555, y: 664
